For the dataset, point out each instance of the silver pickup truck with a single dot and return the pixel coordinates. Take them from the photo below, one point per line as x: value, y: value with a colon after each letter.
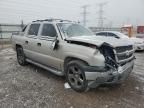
x: 68, y: 49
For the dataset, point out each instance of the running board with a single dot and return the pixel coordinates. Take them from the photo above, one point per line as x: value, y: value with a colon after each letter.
x: 59, y: 73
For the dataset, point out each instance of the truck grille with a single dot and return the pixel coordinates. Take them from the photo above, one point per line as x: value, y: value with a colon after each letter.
x: 123, y: 48
x: 122, y: 57
x: 124, y: 53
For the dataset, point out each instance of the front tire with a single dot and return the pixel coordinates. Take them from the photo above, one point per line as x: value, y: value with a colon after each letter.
x: 20, y: 56
x: 75, y: 75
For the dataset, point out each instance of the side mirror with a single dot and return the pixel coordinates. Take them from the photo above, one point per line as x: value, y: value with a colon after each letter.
x: 55, y: 44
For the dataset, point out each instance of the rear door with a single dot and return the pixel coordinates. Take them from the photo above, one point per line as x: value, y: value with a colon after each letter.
x: 30, y: 41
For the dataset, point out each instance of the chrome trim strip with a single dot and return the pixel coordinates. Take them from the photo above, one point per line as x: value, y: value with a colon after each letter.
x: 125, y: 60
x: 130, y: 52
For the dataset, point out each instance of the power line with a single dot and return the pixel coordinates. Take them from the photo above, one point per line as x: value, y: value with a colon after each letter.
x: 85, y: 14
x: 39, y: 4
x: 101, y: 17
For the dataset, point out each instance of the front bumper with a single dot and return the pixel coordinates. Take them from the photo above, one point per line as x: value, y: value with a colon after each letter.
x: 112, y: 76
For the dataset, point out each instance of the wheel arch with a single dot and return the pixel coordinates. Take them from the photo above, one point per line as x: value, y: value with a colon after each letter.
x: 70, y: 58
x: 84, y: 83
x: 18, y: 46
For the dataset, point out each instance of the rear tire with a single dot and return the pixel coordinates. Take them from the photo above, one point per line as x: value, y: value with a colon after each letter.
x: 75, y: 75
x: 21, y: 56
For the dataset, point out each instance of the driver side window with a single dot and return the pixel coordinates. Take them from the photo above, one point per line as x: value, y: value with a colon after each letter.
x: 48, y: 30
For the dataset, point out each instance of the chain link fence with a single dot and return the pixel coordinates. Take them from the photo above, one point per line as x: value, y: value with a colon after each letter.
x: 6, y: 31
x: 98, y: 29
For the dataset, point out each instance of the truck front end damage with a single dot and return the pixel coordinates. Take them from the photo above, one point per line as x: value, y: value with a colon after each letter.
x: 119, y: 62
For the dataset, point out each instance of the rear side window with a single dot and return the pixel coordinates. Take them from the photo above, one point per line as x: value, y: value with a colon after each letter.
x: 111, y: 34
x: 102, y: 34
x: 48, y: 30
x: 33, y: 30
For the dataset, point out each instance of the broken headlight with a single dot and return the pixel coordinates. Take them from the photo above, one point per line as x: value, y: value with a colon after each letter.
x: 109, y: 55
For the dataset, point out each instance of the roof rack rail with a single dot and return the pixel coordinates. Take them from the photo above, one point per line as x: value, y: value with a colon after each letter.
x: 52, y: 19
x: 37, y: 21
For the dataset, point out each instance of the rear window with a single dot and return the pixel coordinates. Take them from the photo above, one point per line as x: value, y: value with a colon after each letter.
x: 102, y: 34
x: 111, y: 34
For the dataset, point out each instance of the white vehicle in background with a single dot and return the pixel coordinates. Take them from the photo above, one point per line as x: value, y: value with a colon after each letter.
x: 138, y: 43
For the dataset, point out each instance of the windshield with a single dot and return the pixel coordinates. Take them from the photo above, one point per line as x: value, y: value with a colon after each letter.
x: 71, y: 30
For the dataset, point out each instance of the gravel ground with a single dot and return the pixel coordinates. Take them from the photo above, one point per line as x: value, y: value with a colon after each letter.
x: 33, y: 87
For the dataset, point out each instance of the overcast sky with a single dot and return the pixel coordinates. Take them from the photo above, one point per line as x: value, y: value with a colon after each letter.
x: 116, y: 12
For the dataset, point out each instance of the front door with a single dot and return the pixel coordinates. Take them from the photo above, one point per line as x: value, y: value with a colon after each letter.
x: 48, y: 56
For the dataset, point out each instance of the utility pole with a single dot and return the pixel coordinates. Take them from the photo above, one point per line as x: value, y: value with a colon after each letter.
x: 101, y: 17
x: 22, y: 24
x: 85, y: 14
x: 1, y: 38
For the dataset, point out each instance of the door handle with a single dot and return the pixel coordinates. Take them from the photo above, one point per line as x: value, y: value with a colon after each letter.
x: 38, y: 44
x: 26, y: 42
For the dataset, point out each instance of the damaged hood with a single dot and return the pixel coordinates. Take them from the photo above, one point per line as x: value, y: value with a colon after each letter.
x: 99, y: 40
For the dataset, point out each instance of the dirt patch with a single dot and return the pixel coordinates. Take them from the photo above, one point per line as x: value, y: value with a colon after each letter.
x: 33, y: 87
